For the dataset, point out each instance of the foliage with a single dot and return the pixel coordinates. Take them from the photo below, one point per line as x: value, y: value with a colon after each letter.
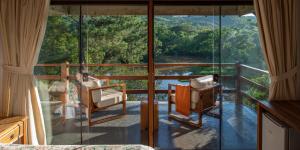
x: 248, y: 103
x: 262, y: 79
x: 258, y: 94
x: 115, y: 39
x: 61, y: 41
x: 123, y: 39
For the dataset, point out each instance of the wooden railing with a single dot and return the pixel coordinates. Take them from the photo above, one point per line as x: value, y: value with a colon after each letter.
x: 238, y: 78
x: 242, y: 79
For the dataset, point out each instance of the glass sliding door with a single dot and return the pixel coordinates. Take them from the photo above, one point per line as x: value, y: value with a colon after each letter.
x: 105, y: 42
x: 186, y: 47
x: 95, y: 74
x: 114, y: 54
x: 246, y: 77
x: 58, y: 94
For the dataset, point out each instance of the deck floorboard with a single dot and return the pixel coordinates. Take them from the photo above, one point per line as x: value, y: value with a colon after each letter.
x: 238, y: 130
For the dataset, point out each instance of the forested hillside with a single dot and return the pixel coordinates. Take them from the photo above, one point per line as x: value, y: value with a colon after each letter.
x: 180, y: 39
x: 123, y: 39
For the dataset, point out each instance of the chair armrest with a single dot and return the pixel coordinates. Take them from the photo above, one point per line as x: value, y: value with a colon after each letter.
x: 170, y: 90
x: 172, y: 85
x: 206, y: 89
x: 122, y: 85
x: 106, y: 82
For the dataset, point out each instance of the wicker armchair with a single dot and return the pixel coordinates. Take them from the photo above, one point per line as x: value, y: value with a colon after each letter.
x: 202, y: 98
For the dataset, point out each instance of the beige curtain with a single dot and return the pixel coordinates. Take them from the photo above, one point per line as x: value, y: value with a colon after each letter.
x: 278, y: 22
x: 22, y: 28
x: 1, y: 75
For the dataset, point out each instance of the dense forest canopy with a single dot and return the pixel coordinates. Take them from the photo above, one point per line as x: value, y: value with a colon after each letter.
x: 180, y: 39
x: 123, y: 39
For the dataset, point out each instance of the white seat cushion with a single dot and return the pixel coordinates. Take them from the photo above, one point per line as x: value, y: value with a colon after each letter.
x: 194, y: 99
x: 193, y: 103
x: 202, y: 82
x: 173, y: 97
x: 108, y: 97
x: 92, y: 83
x: 57, y: 88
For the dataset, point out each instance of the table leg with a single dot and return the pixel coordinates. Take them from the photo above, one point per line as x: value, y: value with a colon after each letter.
x: 24, y: 137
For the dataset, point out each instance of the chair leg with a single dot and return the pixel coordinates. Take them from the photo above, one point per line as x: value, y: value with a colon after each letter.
x: 199, y: 119
x: 124, y: 99
x: 89, y: 117
x: 124, y: 107
x: 90, y: 123
x: 169, y: 105
x: 86, y: 111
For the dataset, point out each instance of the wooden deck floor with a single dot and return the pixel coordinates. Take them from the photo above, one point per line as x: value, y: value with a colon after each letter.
x: 238, y: 130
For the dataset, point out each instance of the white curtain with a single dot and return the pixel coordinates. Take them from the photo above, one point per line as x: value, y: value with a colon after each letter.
x: 279, y: 25
x: 22, y: 28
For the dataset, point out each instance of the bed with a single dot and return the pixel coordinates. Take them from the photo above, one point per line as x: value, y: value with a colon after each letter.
x: 74, y: 147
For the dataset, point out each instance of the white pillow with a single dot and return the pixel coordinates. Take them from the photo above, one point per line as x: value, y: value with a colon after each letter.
x: 57, y: 88
x: 94, y: 83
x: 202, y: 82
x: 90, y: 84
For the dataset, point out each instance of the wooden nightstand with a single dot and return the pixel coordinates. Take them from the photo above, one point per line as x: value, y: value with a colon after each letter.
x: 13, y: 129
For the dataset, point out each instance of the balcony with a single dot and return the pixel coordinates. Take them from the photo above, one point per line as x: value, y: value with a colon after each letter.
x: 238, y: 118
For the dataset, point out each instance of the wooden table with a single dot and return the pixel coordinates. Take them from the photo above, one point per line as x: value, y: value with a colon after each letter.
x: 13, y: 129
x: 286, y: 111
x: 144, y: 115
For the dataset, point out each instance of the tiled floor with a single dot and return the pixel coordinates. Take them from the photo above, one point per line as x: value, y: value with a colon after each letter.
x: 238, y: 130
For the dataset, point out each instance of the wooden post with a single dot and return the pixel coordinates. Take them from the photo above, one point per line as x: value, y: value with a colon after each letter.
x: 65, y: 78
x: 238, y: 83
x: 151, y: 72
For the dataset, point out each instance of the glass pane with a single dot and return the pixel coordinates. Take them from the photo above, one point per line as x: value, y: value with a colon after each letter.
x: 115, y: 53
x: 186, y: 47
x: 246, y: 76
x: 58, y: 94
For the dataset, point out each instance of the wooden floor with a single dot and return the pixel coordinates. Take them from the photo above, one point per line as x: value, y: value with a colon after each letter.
x: 238, y: 130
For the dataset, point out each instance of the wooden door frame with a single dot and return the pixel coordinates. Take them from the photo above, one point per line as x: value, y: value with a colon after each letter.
x: 151, y: 72
x: 150, y: 15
